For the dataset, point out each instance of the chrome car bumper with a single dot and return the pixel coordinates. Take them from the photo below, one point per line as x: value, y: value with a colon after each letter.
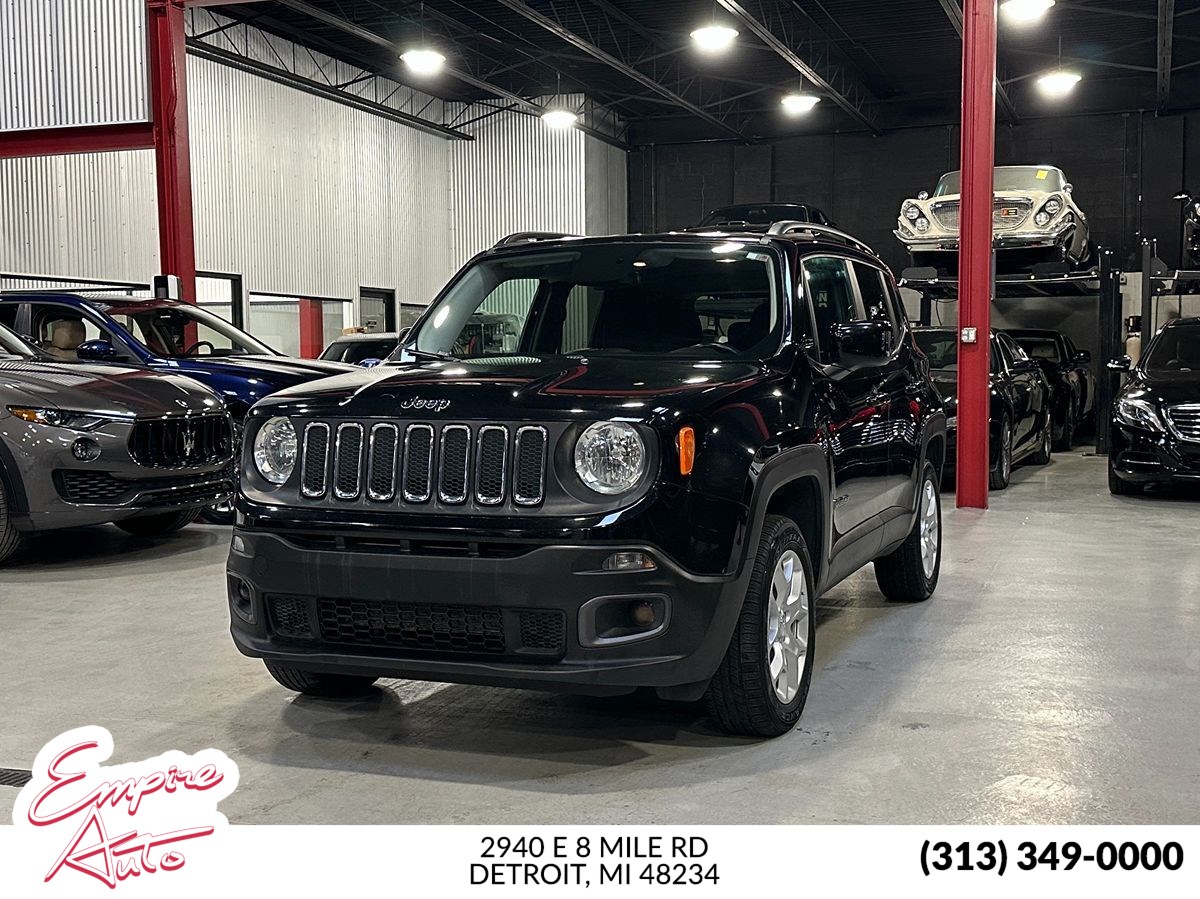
x: 1025, y: 240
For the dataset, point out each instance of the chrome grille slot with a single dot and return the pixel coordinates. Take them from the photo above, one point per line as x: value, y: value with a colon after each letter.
x: 315, y: 467
x: 381, y: 478
x: 453, y: 464
x: 347, y: 482
x: 491, y: 460
x: 418, y: 463
x: 1185, y: 420
x: 529, y: 468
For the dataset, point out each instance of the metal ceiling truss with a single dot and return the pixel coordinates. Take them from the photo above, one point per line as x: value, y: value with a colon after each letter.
x: 603, y: 128
x: 1003, y: 100
x: 787, y: 30
x: 639, y: 55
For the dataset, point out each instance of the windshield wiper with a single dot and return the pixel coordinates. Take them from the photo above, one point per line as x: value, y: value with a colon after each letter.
x: 430, y: 354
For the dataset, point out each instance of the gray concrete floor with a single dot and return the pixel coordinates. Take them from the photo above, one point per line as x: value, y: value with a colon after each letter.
x: 1053, y: 678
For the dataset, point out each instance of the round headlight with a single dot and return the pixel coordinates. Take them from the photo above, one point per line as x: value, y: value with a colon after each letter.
x: 1053, y: 206
x: 922, y: 225
x: 1042, y: 219
x: 911, y: 212
x: 275, y: 450
x: 610, y: 457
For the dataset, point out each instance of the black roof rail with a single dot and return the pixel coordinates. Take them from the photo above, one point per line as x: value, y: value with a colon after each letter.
x: 792, y: 227
x: 530, y: 237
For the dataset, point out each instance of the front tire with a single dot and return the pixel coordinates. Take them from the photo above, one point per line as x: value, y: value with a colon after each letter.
x: 1066, y: 439
x: 319, y: 683
x: 999, y: 476
x: 762, y: 684
x: 10, y: 537
x: 1119, y: 487
x: 158, y: 525
x: 910, y: 572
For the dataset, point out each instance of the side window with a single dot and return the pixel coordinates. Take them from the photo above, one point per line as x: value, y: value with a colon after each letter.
x: 59, y: 330
x: 828, y: 285
x: 8, y: 315
x: 872, y: 288
x: 1014, y: 349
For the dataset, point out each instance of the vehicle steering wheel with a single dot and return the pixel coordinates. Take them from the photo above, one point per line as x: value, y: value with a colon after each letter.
x: 199, y: 343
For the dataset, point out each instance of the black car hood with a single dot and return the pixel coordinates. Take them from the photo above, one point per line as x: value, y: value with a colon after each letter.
x: 102, y: 388
x: 520, y: 386
x: 1171, y: 388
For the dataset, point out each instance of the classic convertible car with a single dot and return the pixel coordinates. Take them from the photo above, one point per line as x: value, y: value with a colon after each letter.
x: 1035, y: 219
x: 88, y: 444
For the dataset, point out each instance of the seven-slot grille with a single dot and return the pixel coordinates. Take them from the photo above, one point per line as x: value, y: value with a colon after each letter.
x: 1185, y: 420
x: 1007, y: 215
x: 181, y: 442
x: 416, y: 462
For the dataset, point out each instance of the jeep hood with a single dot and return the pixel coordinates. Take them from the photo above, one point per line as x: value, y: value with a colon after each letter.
x: 102, y: 388
x: 523, y: 387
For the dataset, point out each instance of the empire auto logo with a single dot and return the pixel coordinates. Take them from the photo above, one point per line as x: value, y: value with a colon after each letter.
x: 117, y: 822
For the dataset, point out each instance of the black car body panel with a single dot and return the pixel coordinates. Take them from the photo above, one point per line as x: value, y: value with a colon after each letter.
x: 1067, y: 368
x: 1163, y: 444
x: 797, y: 432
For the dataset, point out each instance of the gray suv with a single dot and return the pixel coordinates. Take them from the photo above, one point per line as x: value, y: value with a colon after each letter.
x: 88, y: 444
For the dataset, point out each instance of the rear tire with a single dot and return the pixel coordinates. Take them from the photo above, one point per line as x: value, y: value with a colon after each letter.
x: 762, y: 684
x: 10, y: 537
x: 999, y: 476
x: 158, y: 525
x: 1119, y: 487
x: 319, y: 683
x: 910, y: 572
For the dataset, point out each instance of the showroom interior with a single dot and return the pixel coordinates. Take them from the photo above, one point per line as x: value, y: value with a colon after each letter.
x: 317, y: 173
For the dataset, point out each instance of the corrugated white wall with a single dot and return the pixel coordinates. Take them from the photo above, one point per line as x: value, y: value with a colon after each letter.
x: 72, y: 62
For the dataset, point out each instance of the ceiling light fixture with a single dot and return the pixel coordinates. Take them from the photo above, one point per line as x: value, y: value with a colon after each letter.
x: 423, y: 61
x: 799, y: 104
x: 1025, y: 12
x: 559, y: 118
x: 714, y: 38
x: 1059, y: 83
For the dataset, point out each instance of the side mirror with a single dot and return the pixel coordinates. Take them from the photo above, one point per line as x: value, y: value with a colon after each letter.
x: 1184, y: 196
x: 1124, y: 363
x: 371, y: 362
x: 923, y: 195
x: 1083, y: 357
x: 863, y: 341
x: 1068, y: 188
x: 97, y: 351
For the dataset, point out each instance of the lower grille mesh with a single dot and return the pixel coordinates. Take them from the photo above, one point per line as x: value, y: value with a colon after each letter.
x: 473, y: 629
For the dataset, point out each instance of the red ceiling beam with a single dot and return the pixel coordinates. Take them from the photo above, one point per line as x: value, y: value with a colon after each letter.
x: 82, y: 139
x: 975, y: 250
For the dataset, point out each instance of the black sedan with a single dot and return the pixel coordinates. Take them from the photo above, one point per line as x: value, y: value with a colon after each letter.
x: 1156, y: 416
x: 1021, y: 423
x: 1069, y: 373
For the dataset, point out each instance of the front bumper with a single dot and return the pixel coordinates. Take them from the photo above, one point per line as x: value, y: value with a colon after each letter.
x: 1140, y: 456
x: 1024, y: 240
x: 511, y: 614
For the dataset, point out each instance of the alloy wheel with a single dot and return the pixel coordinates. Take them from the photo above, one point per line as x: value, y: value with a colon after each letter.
x: 787, y: 626
x: 930, y: 529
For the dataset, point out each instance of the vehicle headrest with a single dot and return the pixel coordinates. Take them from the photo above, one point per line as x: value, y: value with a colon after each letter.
x: 1187, y: 351
x: 67, y: 334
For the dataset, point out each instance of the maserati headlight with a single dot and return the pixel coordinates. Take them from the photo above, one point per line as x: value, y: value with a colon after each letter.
x: 1139, y: 414
x: 610, y: 457
x: 60, y: 418
x: 275, y: 450
x: 912, y: 212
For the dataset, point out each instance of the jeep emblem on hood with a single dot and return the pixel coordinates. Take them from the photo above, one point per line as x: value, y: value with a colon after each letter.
x: 415, y: 402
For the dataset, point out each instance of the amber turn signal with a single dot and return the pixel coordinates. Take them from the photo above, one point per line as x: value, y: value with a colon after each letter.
x: 685, y: 442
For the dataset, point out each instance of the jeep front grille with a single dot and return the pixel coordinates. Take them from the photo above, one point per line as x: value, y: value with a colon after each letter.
x: 1185, y: 420
x: 421, y: 464
x: 181, y: 442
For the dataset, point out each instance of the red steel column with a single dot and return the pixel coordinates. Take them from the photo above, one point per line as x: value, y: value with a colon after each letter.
x: 975, y: 253
x: 168, y: 110
x: 312, y: 329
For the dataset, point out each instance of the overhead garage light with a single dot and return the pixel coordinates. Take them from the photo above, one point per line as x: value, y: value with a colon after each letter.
x: 1059, y: 83
x: 423, y: 61
x: 1025, y: 12
x: 799, y: 104
x: 559, y: 118
x: 714, y: 38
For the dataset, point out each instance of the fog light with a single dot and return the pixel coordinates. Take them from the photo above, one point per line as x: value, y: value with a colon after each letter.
x: 241, y: 599
x: 643, y: 614
x: 85, y: 449
x: 630, y: 561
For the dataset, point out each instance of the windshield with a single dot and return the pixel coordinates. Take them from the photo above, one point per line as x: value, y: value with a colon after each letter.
x: 704, y: 300
x: 1040, y: 348
x: 14, y: 347
x: 1012, y: 177
x: 940, y: 346
x: 760, y: 214
x: 179, y: 330
x: 1174, y: 350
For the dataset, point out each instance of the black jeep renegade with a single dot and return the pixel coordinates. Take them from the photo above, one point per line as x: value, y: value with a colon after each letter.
x: 596, y: 465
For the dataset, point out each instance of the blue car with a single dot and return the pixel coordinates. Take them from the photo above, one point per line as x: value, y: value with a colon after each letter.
x: 164, y: 335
